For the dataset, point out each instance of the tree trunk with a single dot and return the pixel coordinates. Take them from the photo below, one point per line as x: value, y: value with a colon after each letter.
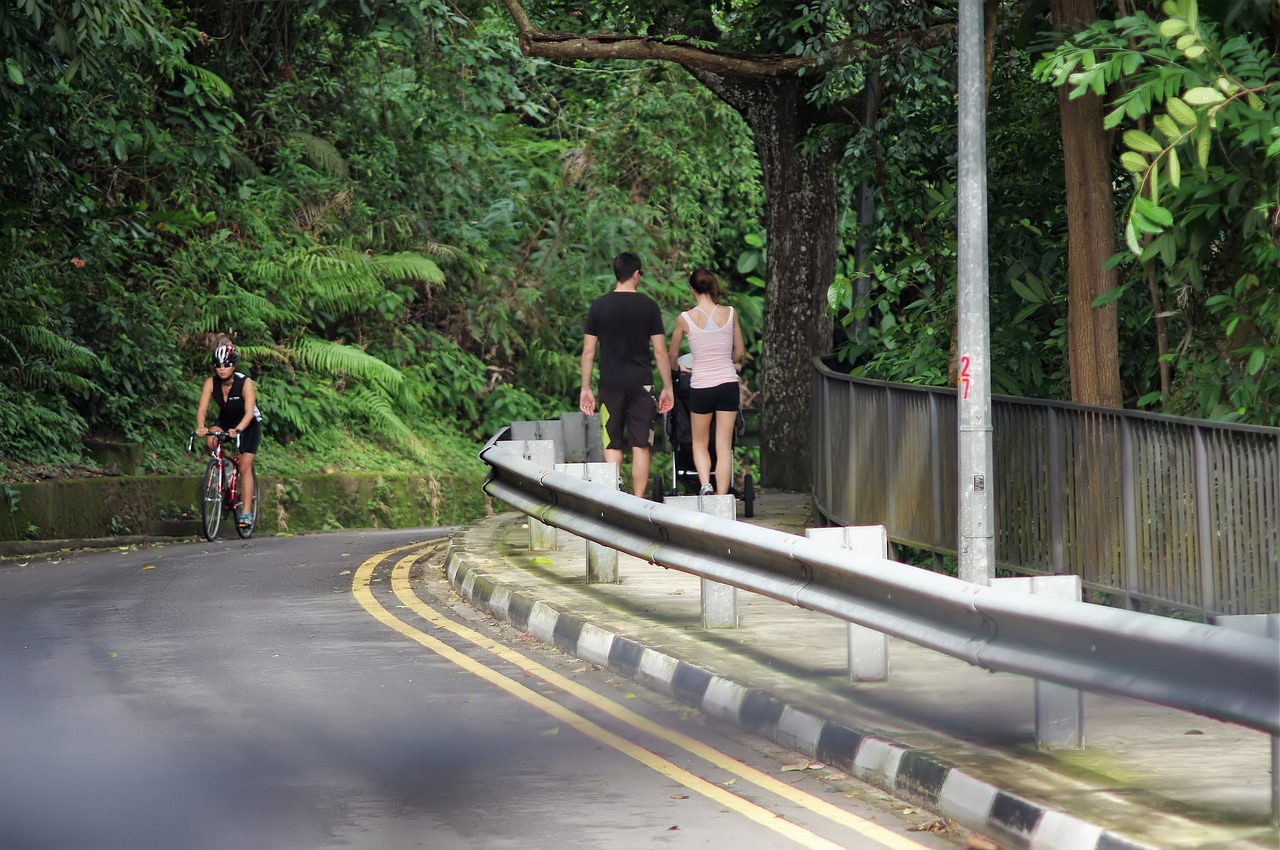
x: 800, y: 264
x: 872, y: 93
x: 1092, y: 333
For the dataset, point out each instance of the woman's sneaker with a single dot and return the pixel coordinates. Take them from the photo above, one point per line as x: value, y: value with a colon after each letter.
x: 246, y: 521
x: 707, y: 490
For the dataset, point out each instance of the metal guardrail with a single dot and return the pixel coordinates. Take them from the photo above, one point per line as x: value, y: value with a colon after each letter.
x: 1178, y: 512
x: 1209, y: 670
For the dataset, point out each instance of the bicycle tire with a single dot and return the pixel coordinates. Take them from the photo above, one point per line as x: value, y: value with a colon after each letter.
x: 246, y: 533
x: 211, y: 501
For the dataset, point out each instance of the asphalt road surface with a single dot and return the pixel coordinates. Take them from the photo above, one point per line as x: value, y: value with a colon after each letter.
x: 326, y: 691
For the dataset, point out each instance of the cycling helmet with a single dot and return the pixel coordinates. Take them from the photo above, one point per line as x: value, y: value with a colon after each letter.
x: 225, y: 355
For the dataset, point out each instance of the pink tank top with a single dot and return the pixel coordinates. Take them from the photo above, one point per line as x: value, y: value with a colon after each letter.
x: 712, y: 349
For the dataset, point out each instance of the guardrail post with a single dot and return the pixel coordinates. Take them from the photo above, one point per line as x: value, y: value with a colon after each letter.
x: 719, y: 601
x: 868, y: 649
x: 543, y: 453
x: 1264, y: 625
x: 542, y: 429
x: 1059, y: 709
x: 602, y: 561
x: 583, y: 440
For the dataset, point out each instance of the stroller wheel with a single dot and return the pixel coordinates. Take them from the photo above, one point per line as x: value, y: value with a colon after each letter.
x: 748, y: 495
x: 656, y: 493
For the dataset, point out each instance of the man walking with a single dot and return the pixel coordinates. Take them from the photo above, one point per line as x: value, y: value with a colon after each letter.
x: 626, y: 326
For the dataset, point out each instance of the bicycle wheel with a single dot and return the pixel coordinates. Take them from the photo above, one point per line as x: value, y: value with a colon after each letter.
x: 211, y: 501
x: 246, y: 533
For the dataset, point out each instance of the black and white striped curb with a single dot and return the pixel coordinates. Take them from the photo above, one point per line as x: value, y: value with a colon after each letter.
x: 902, y: 771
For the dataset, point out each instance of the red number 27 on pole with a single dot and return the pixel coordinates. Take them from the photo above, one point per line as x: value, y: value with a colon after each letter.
x: 964, y: 376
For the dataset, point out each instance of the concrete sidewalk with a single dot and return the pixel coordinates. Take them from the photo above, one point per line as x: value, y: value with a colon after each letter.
x: 948, y: 736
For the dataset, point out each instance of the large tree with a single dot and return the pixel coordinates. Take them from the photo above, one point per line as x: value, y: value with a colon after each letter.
x: 767, y: 63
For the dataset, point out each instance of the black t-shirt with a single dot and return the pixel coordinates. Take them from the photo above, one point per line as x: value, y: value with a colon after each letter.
x: 623, y: 322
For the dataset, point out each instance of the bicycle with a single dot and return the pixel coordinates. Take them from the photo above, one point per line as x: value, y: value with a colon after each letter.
x: 220, y: 489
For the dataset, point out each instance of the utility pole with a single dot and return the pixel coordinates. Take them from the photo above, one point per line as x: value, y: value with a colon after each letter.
x: 977, y: 515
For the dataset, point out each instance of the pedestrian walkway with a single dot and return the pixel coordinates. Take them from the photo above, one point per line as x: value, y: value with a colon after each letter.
x: 940, y: 732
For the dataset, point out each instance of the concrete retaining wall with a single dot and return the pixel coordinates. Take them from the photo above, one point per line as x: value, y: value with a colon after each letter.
x: 153, y: 505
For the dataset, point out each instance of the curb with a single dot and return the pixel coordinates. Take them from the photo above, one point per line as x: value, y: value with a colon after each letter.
x: 32, y: 548
x: 902, y: 771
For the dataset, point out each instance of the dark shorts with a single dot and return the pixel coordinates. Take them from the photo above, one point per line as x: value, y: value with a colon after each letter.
x: 249, y: 438
x: 711, y: 399
x: 628, y: 416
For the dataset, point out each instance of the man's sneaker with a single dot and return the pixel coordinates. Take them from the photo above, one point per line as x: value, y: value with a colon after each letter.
x: 707, y: 490
x: 246, y: 521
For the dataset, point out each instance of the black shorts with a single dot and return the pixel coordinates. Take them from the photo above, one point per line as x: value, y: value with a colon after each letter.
x: 628, y: 416
x: 710, y: 399
x: 249, y: 438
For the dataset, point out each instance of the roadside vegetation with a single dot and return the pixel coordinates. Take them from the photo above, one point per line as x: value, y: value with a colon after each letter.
x: 400, y: 218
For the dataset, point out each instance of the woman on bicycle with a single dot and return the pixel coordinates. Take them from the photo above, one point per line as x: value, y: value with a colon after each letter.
x: 237, y: 415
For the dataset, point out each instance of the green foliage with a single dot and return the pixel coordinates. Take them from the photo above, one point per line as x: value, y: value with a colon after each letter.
x: 1200, y: 114
x: 400, y: 220
x: 904, y: 330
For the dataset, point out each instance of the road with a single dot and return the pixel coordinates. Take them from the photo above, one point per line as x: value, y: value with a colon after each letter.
x: 326, y: 691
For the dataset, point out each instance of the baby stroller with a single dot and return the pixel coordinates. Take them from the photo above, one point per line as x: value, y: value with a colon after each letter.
x: 679, y: 433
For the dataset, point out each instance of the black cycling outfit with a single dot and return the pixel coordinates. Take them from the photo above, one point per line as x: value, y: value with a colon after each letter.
x: 231, y: 412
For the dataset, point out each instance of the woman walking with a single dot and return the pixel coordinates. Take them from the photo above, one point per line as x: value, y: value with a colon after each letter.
x: 715, y: 339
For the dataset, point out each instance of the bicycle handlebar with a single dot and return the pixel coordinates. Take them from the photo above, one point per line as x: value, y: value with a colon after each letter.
x: 222, y: 437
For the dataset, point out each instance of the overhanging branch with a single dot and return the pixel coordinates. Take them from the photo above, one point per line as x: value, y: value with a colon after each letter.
x: 534, y: 42
x: 864, y: 47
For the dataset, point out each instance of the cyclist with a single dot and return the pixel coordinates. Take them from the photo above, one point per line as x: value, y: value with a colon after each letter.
x: 237, y: 415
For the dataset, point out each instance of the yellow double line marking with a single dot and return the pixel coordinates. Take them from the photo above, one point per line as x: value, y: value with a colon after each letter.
x: 400, y: 586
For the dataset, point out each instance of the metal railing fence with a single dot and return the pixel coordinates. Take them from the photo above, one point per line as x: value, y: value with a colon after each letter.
x: 1179, y: 512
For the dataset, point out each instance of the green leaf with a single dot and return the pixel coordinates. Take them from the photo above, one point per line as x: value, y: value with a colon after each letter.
x: 1195, y: 51
x: 1131, y: 238
x: 1171, y: 27
x: 1202, y: 146
x: 1203, y: 96
x: 1108, y: 297
x: 1143, y: 224
x: 1024, y: 292
x: 1186, y: 41
x: 1181, y: 113
x: 1149, y: 398
x: 1134, y: 162
x: 1141, y: 142
x: 1151, y: 250
x: 1167, y: 127
x: 1160, y: 216
x: 1257, y: 360
x: 1175, y: 169
x: 15, y: 72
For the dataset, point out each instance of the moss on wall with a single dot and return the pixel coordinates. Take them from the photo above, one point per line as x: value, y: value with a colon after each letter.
x: 132, y: 505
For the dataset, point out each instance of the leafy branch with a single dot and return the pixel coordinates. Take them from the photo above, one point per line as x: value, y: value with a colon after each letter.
x: 1204, y: 84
